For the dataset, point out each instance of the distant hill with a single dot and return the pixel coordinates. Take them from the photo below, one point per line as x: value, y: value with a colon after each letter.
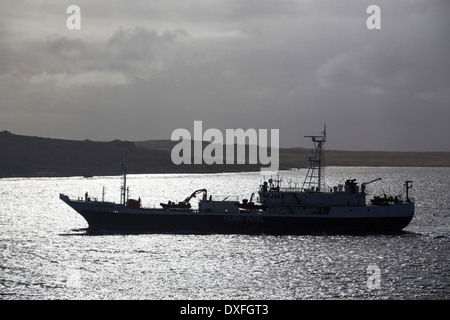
x: 26, y: 156
x: 288, y: 158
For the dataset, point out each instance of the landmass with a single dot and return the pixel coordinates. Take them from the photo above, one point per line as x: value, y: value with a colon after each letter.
x: 29, y: 156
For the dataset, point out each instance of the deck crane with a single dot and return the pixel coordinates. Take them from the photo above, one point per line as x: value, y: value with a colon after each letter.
x: 364, y: 184
x: 185, y: 203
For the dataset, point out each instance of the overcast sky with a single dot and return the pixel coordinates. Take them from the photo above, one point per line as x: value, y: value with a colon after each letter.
x: 137, y: 70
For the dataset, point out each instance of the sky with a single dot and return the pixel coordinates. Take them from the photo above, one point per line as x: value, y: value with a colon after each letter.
x: 138, y: 70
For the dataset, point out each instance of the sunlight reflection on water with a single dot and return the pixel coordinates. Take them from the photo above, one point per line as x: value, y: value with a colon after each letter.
x: 45, y: 254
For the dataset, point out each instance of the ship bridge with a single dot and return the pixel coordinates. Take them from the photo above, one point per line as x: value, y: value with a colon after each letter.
x: 341, y: 195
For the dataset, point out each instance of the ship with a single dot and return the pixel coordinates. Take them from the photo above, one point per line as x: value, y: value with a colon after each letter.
x: 277, y: 210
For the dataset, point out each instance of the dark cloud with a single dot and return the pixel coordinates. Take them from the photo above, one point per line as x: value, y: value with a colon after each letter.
x: 141, y: 70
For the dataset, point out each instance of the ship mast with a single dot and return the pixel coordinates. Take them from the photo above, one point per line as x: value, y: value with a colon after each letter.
x: 124, y: 189
x: 315, y: 175
x: 408, y: 185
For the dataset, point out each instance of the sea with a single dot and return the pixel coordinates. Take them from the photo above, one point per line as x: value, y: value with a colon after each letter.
x: 46, y: 253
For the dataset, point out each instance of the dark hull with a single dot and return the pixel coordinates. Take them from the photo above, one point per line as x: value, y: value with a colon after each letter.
x: 199, y: 223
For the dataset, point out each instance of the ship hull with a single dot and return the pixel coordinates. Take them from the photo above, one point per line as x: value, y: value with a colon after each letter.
x: 224, y: 224
x: 108, y: 217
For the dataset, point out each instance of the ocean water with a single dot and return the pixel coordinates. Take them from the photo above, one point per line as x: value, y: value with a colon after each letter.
x: 45, y: 253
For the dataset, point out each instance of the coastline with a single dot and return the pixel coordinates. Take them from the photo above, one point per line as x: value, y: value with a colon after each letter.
x: 26, y: 156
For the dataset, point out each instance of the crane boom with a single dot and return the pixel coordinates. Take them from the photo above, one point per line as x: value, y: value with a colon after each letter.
x: 204, y: 191
x: 364, y: 184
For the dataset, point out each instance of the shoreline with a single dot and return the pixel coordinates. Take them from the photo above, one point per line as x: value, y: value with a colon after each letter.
x: 203, y: 172
x: 28, y: 157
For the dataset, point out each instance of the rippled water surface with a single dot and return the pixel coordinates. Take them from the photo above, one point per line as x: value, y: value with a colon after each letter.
x: 46, y: 254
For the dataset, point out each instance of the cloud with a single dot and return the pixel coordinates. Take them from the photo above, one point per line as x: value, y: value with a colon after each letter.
x: 63, y: 62
x: 92, y: 79
x: 139, y: 43
x: 292, y: 65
